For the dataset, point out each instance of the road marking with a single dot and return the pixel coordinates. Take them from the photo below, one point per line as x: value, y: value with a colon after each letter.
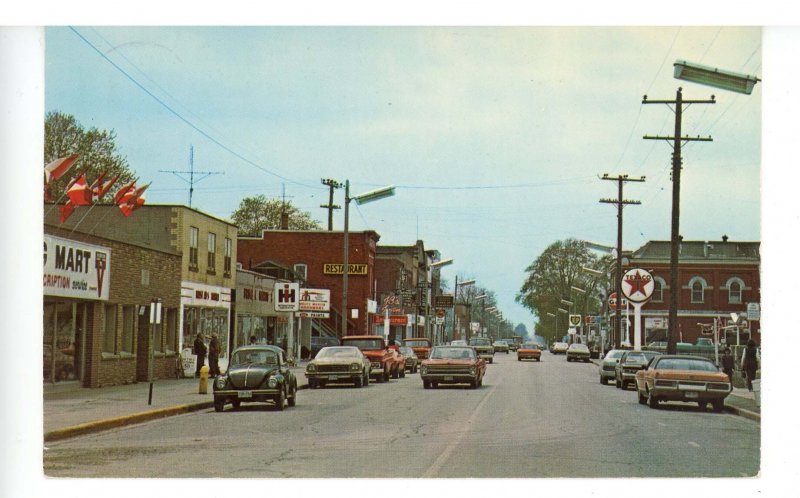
x: 692, y: 443
x: 434, y: 469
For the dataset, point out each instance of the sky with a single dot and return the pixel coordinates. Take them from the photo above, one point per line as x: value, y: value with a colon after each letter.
x: 495, y: 137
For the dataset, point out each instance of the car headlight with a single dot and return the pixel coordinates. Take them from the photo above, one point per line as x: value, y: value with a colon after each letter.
x: 273, y: 382
x: 423, y: 369
x: 355, y: 367
x: 472, y: 370
x: 220, y: 382
x: 311, y: 367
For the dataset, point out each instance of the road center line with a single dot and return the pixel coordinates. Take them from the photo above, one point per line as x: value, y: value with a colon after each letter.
x: 434, y: 469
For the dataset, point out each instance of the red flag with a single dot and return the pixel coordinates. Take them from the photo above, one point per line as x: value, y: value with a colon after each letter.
x: 134, y: 201
x: 79, y: 193
x: 66, y: 210
x: 100, y: 189
x: 127, y: 189
x: 57, y: 168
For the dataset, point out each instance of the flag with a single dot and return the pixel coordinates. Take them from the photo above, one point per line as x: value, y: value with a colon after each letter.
x: 128, y: 189
x: 133, y: 201
x: 79, y: 193
x: 99, y: 189
x: 57, y: 168
x: 66, y: 210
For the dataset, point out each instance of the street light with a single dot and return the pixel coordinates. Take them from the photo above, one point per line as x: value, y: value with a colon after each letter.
x: 710, y: 76
x: 372, y: 195
x: 441, y: 263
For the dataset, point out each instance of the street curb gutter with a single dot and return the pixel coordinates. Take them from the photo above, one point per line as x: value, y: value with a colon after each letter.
x: 136, y: 418
x: 756, y: 417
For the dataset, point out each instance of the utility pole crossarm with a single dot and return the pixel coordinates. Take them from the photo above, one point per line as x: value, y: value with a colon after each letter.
x: 685, y: 138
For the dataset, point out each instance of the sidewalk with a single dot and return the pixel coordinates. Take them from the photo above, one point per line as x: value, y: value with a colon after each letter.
x: 70, y: 410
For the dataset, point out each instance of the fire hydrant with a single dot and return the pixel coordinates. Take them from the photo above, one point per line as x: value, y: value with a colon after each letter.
x: 203, y: 380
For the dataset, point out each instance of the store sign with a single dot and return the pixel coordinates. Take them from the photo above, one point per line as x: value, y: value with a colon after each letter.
x: 753, y: 311
x: 194, y: 294
x: 398, y: 319
x: 315, y: 300
x: 656, y: 322
x: 574, y: 320
x: 75, y: 269
x: 638, y: 285
x: 443, y: 301
x: 338, y: 269
x: 313, y: 314
x: 287, y: 296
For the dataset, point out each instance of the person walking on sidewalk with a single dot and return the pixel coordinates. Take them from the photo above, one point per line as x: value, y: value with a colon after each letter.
x: 727, y: 361
x: 213, y: 356
x: 750, y: 359
x: 200, y: 351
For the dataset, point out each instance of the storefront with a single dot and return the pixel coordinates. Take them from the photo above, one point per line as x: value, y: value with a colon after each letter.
x: 205, y: 310
x: 76, y: 278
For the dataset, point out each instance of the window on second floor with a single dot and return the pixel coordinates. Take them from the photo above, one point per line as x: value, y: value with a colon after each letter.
x: 658, y: 290
x: 194, y: 234
x: 212, y: 252
x: 228, y: 255
x: 735, y: 286
x: 698, y: 287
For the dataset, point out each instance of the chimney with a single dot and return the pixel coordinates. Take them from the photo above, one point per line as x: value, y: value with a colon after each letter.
x: 724, y: 238
x: 284, y: 221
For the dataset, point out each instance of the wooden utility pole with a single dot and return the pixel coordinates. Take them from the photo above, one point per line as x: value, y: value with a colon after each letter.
x: 330, y: 206
x: 676, y: 141
x: 620, y: 202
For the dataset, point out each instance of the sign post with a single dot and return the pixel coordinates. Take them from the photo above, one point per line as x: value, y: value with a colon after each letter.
x: 155, y: 321
x: 637, y: 286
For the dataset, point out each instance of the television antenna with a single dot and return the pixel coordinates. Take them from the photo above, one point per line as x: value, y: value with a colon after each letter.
x: 192, y: 180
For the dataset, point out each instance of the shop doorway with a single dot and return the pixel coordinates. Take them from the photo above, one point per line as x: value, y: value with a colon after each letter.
x: 65, y: 326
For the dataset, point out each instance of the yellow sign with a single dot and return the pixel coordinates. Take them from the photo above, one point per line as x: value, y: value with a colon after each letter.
x: 338, y: 269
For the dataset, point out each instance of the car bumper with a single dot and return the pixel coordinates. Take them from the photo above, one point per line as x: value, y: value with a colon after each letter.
x: 529, y: 356
x: 688, y: 396
x: 450, y: 378
x: 247, y: 395
x: 581, y: 357
x: 334, y: 377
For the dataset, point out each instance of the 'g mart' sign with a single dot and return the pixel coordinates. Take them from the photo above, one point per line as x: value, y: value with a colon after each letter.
x: 338, y: 269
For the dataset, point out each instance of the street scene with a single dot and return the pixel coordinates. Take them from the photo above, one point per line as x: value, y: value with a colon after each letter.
x: 314, y: 258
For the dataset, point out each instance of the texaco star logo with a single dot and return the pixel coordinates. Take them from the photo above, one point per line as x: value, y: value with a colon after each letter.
x: 637, y: 285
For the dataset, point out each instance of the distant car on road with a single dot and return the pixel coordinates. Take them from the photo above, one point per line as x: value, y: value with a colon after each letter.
x: 338, y: 364
x: 483, y: 348
x: 559, y: 348
x: 384, y: 362
x: 608, y: 365
x: 458, y: 342
x: 629, y: 363
x: 500, y: 346
x: 529, y: 351
x: 421, y: 346
x: 452, y: 365
x: 412, y: 362
x: 319, y: 342
x: 256, y: 374
x: 578, y: 352
x: 682, y: 378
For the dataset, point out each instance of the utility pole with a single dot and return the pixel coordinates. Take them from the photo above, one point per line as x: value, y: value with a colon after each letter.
x: 620, y: 202
x: 191, y: 181
x: 330, y: 206
x: 676, y: 140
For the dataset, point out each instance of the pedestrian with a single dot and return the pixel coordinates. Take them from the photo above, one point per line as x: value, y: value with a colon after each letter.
x: 213, y: 356
x: 252, y: 340
x: 199, y: 350
x: 727, y: 361
x: 750, y: 358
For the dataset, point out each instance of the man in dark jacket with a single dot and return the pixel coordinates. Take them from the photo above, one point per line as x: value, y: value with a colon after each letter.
x: 750, y: 359
x: 199, y: 350
x: 213, y: 356
x: 727, y: 362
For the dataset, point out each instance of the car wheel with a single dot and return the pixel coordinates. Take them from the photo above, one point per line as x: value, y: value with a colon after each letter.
x: 358, y: 382
x: 434, y: 385
x: 491, y: 360
x: 652, y: 401
x: 642, y: 397
x: 473, y: 384
x: 426, y: 384
x: 312, y: 383
x: 396, y: 373
x: 718, y: 405
x: 624, y: 385
x: 519, y: 359
x: 280, y: 401
x: 293, y: 398
x: 366, y: 379
x: 703, y: 405
x: 480, y: 382
x: 385, y: 376
x: 321, y: 383
x: 603, y: 380
x: 236, y: 404
x: 219, y: 404
x: 403, y: 373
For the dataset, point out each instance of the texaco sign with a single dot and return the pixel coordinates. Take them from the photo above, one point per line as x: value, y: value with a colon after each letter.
x: 637, y: 285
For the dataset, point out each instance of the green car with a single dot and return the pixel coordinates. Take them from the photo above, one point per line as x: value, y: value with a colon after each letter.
x: 483, y: 348
x: 578, y: 352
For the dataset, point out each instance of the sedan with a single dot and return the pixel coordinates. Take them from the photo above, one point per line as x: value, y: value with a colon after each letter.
x: 412, y: 362
x: 578, y: 352
x: 608, y: 365
x: 682, y: 378
x: 338, y: 364
x: 256, y: 374
x: 559, y: 348
x: 500, y: 347
x: 529, y: 351
x: 452, y: 365
x: 629, y: 363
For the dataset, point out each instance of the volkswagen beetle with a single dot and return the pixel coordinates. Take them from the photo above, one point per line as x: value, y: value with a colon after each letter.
x: 256, y: 374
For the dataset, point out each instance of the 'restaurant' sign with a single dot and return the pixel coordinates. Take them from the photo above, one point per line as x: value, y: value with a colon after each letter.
x: 338, y: 269
x: 76, y: 269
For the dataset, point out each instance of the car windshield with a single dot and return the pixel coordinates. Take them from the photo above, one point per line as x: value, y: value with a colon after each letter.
x: 407, y: 351
x: 451, y: 353
x: 580, y: 347
x: 417, y: 343
x: 613, y: 354
x: 530, y: 345
x: 635, y: 358
x: 365, y: 344
x: 254, y: 357
x: 500, y: 343
x: 458, y: 343
x: 479, y: 342
x: 697, y: 364
x: 339, y: 352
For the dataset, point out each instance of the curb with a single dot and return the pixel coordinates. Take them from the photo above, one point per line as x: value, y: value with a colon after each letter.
x: 756, y: 417
x: 135, y: 418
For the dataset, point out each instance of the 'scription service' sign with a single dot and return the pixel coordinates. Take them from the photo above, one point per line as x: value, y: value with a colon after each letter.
x: 76, y: 269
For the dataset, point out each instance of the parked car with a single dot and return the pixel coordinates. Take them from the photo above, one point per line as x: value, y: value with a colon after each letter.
x: 608, y: 365
x: 483, y: 348
x: 338, y: 364
x: 420, y: 345
x: 682, y: 378
x: 529, y: 351
x: 629, y: 363
x: 559, y: 348
x: 319, y: 342
x: 256, y: 374
x: 500, y: 346
x: 578, y: 352
x: 384, y: 362
x: 412, y: 362
x: 452, y: 365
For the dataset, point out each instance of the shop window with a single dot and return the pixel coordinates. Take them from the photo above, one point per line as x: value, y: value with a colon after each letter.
x: 171, y: 330
x: 110, y: 330
x: 212, y: 253
x: 128, y: 320
x: 735, y: 286
x: 194, y: 235
x: 228, y: 256
x: 158, y: 336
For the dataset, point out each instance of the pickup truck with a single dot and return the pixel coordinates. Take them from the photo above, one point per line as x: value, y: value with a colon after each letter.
x: 421, y: 346
x: 384, y: 362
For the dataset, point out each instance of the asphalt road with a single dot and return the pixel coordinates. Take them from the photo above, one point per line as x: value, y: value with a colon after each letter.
x: 547, y: 419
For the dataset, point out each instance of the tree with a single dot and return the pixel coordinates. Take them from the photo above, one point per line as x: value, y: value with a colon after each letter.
x: 259, y: 213
x: 97, y: 151
x: 551, y: 278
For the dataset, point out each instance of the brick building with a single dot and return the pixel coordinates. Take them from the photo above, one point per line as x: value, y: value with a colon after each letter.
x: 315, y: 257
x: 716, y: 278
